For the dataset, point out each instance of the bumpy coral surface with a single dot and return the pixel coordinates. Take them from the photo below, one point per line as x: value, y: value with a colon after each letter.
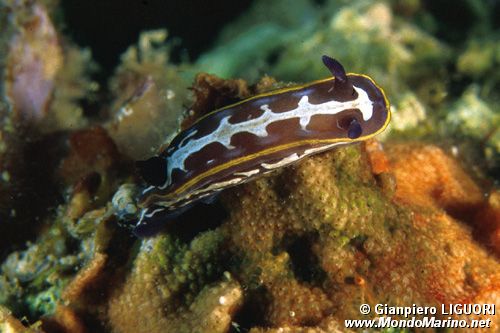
x: 176, y: 283
x: 306, y: 246
x: 401, y: 222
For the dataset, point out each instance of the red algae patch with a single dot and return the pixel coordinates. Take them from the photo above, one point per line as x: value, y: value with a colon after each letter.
x: 91, y: 150
x: 427, y: 177
x: 325, y: 228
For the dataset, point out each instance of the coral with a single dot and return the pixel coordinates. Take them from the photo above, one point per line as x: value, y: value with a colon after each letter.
x: 33, y: 278
x: 173, y: 283
x: 73, y: 87
x: 91, y: 150
x: 427, y: 177
x: 213, y: 309
x: 43, y: 80
x: 333, y: 229
x: 261, y: 37
x: 480, y: 59
x: 86, y: 277
x: 149, y: 97
x: 31, y: 74
x: 26, y: 87
x: 401, y: 222
x: 9, y: 323
x: 487, y: 222
x: 64, y: 320
x: 212, y: 92
x: 364, y: 36
x: 301, y: 248
x: 472, y: 115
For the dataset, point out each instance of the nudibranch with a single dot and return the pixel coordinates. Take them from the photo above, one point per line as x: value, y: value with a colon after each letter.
x: 239, y: 142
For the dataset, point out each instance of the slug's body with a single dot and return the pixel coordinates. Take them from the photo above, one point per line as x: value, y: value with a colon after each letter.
x: 239, y: 142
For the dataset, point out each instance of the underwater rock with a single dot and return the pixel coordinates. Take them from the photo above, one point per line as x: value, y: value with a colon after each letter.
x: 8, y: 323
x: 298, y: 250
x: 91, y: 167
x: 26, y: 89
x: 149, y: 95
x: 212, y: 92
x: 480, y: 58
x: 31, y: 73
x: 427, y: 177
x: 90, y: 150
x: 302, y: 247
x: 408, y: 113
x: 64, y: 320
x: 487, y: 222
x: 472, y: 115
x: 172, y: 284
x: 328, y: 215
x: 44, y: 79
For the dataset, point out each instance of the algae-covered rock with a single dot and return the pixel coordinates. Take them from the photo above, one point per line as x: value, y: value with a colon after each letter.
x: 174, y: 281
x: 363, y: 35
x: 9, y: 323
x: 472, y: 115
x: 410, y: 220
x: 341, y: 238
x: 149, y: 96
x: 480, y: 59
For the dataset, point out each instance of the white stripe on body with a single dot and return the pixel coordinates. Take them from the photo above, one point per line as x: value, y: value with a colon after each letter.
x: 257, y: 126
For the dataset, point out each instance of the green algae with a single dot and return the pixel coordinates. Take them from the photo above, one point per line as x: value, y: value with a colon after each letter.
x: 177, y: 274
x: 33, y: 279
x: 363, y: 35
x: 181, y: 269
x: 472, y: 115
x: 45, y: 302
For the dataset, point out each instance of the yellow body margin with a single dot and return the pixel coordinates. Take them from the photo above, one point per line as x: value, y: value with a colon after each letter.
x: 271, y: 150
